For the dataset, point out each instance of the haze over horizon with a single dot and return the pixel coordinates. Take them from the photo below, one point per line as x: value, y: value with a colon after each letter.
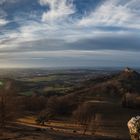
x: 69, y: 33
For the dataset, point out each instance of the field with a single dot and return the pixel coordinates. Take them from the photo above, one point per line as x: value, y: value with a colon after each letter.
x: 52, y: 81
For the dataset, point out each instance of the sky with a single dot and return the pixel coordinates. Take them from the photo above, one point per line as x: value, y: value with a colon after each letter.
x: 69, y: 33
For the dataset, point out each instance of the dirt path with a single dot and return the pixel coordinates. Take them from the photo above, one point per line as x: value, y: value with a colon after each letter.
x: 56, y: 127
x: 69, y: 128
x: 26, y: 129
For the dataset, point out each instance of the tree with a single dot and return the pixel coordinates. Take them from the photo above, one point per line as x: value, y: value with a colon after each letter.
x: 124, y: 101
x: 61, y: 106
x: 57, y: 107
x: 43, y: 117
x: 84, y: 115
x: 8, y: 103
x: 34, y: 103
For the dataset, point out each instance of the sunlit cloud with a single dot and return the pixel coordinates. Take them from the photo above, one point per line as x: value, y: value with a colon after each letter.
x: 3, y: 22
x: 58, y: 10
x: 114, y: 13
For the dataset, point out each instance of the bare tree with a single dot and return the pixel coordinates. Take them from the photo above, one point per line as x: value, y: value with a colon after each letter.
x: 84, y: 115
x: 8, y: 103
x: 61, y: 106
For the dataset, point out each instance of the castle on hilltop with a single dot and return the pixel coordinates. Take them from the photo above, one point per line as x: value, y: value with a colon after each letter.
x: 129, y: 70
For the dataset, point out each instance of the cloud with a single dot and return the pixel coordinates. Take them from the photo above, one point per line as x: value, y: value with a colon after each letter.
x: 108, y: 17
x: 70, y: 58
x: 2, y: 1
x: 7, y: 1
x: 117, y: 42
x: 3, y: 22
x: 57, y: 29
x: 58, y: 10
x: 121, y: 13
x: 3, y: 13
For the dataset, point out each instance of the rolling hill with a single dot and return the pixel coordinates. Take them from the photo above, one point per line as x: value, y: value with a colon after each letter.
x: 115, y: 88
